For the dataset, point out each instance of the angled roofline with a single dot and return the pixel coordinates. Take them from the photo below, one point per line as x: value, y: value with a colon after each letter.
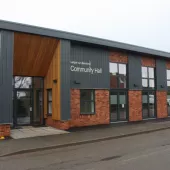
x: 18, y: 27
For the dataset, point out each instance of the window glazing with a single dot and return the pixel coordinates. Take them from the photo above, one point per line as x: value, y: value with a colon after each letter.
x: 49, y: 101
x: 118, y: 75
x: 87, y: 102
x: 148, y: 104
x: 118, y: 106
x: 148, y: 78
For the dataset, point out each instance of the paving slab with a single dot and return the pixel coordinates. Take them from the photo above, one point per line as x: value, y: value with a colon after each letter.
x: 28, y: 132
x: 79, y: 136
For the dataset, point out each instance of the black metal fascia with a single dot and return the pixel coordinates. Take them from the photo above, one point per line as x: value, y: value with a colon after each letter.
x: 6, y: 25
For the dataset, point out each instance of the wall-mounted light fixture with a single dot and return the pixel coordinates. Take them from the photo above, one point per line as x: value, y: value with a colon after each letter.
x: 55, y: 81
x: 76, y: 82
x: 162, y: 86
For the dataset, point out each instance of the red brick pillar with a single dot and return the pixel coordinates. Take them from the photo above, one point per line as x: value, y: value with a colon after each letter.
x: 161, y: 99
x: 4, y: 130
x: 135, y: 105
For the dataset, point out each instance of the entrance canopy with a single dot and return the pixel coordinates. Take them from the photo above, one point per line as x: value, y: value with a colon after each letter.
x: 32, y: 54
x: 38, y: 56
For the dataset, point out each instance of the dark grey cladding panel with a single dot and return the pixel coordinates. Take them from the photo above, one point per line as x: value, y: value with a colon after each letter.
x: 6, y: 72
x: 161, y: 80
x: 89, y: 67
x: 6, y: 25
x: 134, y: 72
x: 65, y: 79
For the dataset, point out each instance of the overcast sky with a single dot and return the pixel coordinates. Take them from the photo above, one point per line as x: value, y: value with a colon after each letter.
x: 139, y: 22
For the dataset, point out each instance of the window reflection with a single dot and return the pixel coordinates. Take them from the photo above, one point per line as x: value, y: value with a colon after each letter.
x: 49, y: 95
x: 144, y: 83
x: 113, y: 107
x: 0, y: 41
x: 113, y: 81
x: 118, y: 103
x: 145, y: 105
x: 151, y: 73
x: 113, y: 68
x: 168, y: 103
x: 87, y: 95
x: 122, y: 81
x: 122, y: 106
x: 117, y: 75
x: 144, y: 72
x: 23, y: 105
x: 151, y: 83
x: 168, y: 78
x: 148, y: 104
x: 168, y: 74
x: 28, y: 100
x: 27, y: 82
x: 22, y: 82
x: 168, y: 83
x: 151, y: 105
x: 148, y: 80
x: 87, y: 101
x: 122, y: 69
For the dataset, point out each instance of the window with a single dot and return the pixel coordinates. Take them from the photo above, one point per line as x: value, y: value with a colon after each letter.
x: 87, y: 102
x: 168, y: 93
x: 148, y: 80
x: 0, y: 42
x: 117, y: 75
x: 168, y: 78
x: 118, y: 106
x: 148, y: 104
x: 168, y: 102
x: 22, y: 82
x: 49, y: 101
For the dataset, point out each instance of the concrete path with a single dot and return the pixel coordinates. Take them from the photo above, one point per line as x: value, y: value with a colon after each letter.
x: 29, y: 131
x: 83, y: 136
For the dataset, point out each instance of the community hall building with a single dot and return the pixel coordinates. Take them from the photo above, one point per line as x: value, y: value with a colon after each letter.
x: 65, y: 80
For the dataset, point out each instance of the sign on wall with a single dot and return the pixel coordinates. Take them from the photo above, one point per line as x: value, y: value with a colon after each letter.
x: 84, y: 67
x: 89, y: 67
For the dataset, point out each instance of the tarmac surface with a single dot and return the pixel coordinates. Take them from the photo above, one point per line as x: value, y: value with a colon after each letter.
x: 141, y: 152
x: 80, y: 136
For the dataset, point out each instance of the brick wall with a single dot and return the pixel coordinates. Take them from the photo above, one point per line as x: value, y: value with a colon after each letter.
x: 101, y: 116
x: 4, y: 130
x: 168, y: 64
x: 102, y: 111
x: 118, y: 57
x: 135, y: 105
x: 161, y: 99
x: 57, y: 124
x: 148, y: 62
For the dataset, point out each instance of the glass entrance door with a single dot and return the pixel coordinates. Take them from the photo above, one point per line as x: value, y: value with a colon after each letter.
x: 28, y: 100
x: 118, y: 106
x: 38, y: 107
x: 23, y: 106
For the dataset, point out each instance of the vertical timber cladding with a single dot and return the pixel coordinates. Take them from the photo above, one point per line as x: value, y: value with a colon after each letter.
x: 6, y: 72
x: 58, y: 79
x: 89, y: 67
x: 53, y: 74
